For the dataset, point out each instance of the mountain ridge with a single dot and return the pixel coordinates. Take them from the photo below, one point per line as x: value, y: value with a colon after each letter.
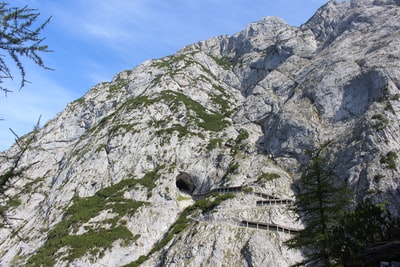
x: 231, y: 111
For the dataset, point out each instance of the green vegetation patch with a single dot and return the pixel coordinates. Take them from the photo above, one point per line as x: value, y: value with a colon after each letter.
x: 267, y: 177
x: 214, y: 143
x: 390, y: 108
x: 390, y: 160
x: 170, y: 63
x: 220, y: 100
x: 5, y: 178
x: 233, y: 167
x: 204, y: 205
x: 118, y: 86
x: 180, y: 129
x: 123, y: 128
x: 13, y: 202
x: 378, y: 178
x: 112, y: 119
x: 247, y: 190
x: 183, y: 198
x: 95, y: 129
x: 207, y: 204
x: 96, y: 239
x: 162, y: 63
x: 205, y: 119
x: 94, y: 242
x: 380, y: 122
x: 195, y: 113
x: 239, y: 143
x: 224, y: 62
x: 395, y: 97
x: 243, y: 135
x: 10, y: 203
x: 137, y: 102
x: 78, y: 102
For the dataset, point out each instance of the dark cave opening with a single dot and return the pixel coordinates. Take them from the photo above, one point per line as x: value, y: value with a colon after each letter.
x: 185, y: 183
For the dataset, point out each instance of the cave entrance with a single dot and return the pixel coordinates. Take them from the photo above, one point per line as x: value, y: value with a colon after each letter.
x: 185, y: 183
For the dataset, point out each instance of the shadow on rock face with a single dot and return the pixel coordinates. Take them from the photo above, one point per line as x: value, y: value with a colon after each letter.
x: 185, y: 182
x: 364, y: 90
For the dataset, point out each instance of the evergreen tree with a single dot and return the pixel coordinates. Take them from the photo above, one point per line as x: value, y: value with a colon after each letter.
x: 360, y: 230
x: 321, y: 199
x: 19, y: 37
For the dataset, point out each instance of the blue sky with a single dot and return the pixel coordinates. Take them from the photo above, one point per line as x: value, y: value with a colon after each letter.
x: 92, y: 40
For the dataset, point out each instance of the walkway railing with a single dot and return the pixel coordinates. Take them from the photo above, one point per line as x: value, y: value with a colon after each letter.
x: 263, y: 195
x: 274, y: 202
x: 234, y: 189
x: 223, y: 190
x: 268, y: 200
x: 269, y: 227
x: 249, y: 224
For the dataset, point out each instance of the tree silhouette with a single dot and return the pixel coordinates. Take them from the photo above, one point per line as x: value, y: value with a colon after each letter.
x: 19, y: 38
x: 321, y: 199
x: 359, y: 233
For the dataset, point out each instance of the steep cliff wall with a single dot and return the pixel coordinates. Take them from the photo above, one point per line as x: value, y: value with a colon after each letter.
x: 101, y: 183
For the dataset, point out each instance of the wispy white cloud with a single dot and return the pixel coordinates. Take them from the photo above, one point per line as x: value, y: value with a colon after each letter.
x: 122, y: 26
x: 131, y: 27
x: 104, y: 21
x: 21, y: 110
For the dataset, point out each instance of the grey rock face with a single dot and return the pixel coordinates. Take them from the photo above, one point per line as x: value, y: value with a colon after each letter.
x: 119, y: 166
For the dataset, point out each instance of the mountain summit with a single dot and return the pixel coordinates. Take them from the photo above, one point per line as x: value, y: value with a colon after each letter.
x: 189, y: 160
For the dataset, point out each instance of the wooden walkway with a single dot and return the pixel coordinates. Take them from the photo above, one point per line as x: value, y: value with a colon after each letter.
x: 263, y: 195
x: 269, y: 227
x: 222, y: 190
x: 274, y: 202
x: 234, y: 189
x: 268, y: 200
x: 250, y: 224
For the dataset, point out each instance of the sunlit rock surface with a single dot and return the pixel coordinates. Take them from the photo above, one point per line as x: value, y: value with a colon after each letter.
x: 231, y: 116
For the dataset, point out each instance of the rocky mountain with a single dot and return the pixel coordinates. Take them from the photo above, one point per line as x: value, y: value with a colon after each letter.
x: 189, y: 160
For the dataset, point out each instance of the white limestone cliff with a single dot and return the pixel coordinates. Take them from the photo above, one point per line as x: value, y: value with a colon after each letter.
x: 97, y: 185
